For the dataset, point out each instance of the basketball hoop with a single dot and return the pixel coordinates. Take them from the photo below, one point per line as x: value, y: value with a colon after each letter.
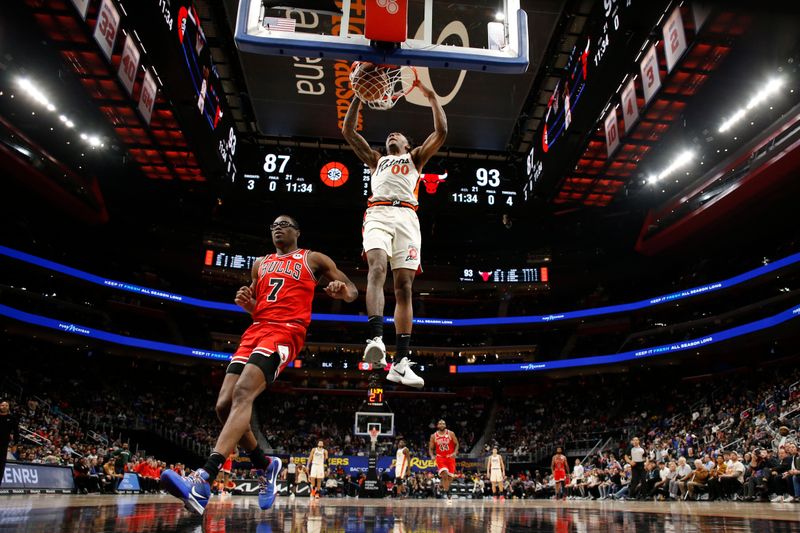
x: 381, y: 86
x: 373, y: 435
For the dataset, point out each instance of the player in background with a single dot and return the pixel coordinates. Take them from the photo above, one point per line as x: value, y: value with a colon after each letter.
x: 291, y: 473
x: 279, y: 299
x: 559, y: 467
x: 316, y: 461
x: 443, y: 448
x: 496, y: 468
x: 227, y: 481
x: 391, y: 232
x: 401, y: 464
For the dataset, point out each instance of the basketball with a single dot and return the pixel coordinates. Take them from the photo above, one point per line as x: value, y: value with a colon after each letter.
x: 370, y: 82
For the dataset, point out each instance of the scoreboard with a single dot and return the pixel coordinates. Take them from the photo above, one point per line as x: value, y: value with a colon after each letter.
x: 340, y: 177
x: 505, y: 275
x: 485, y: 186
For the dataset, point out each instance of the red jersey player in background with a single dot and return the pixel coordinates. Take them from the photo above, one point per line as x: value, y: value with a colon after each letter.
x: 443, y: 448
x: 279, y: 299
x: 559, y: 468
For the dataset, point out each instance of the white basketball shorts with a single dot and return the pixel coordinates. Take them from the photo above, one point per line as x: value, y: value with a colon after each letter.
x: 395, y: 230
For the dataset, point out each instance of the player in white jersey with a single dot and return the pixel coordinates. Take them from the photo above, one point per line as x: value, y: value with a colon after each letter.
x: 496, y: 468
x: 316, y: 460
x: 391, y: 231
x: 401, y: 464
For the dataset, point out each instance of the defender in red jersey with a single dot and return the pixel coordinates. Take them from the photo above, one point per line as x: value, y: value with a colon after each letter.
x: 279, y: 300
x: 443, y: 448
x: 559, y: 468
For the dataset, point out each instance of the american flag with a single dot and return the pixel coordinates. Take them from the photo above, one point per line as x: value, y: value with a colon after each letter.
x: 278, y: 23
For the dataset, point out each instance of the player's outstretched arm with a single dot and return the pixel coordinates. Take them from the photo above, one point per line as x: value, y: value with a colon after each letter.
x: 432, y: 448
x: 455, y: 444
x: 422, y: 153
x: 358, y: 143
x: 339, y: 285
x: 244, y: 296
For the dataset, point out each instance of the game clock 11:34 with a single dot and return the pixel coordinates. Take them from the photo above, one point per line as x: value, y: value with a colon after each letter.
x: 484, y: 186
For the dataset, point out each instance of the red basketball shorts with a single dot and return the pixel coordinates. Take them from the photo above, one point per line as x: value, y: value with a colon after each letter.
x: 446, y: 463
x: 265, y: 339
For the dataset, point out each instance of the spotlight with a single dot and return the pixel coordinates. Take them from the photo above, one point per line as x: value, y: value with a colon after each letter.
x: 499, y: 16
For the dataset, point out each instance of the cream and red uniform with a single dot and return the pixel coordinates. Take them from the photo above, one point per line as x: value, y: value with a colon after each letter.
x: 318, y: 464
x: 495, y: 469
x: 391, y: 223
x: 283, y: 293
x: 400, y: 464
x: 445, y: 447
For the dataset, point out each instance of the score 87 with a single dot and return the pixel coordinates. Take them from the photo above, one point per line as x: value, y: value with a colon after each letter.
x: 271, y: 162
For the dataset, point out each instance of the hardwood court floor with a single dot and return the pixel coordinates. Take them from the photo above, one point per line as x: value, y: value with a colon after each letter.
x: 145, y: 514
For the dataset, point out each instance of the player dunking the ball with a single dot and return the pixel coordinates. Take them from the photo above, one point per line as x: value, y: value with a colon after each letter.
x: 279, y: 299
x: 391, y: 232
x: 443, y: 448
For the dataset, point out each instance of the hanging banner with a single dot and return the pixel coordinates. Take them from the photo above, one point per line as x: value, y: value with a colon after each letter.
x: 674, y: 39
x: 105, y: 30
x: 612, y: 132
x: 147, y: 98
x: 651, y: 79
x: 82, y: 6
x: 129, y: 64
x: 630, y: 108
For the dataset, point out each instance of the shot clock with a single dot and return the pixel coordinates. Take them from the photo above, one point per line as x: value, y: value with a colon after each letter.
x: 375, y: 396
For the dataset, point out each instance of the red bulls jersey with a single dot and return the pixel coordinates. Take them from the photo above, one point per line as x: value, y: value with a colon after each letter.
x: 444, y: 444
x: 285, y: 289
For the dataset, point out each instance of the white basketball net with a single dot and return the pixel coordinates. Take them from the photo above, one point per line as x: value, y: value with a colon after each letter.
x: 373, y: 435
x: 381, y: 86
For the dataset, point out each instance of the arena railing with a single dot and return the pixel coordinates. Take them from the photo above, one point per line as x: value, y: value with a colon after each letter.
x: 452, y: 322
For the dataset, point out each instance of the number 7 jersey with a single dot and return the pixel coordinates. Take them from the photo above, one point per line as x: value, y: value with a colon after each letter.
x: 285, y: 289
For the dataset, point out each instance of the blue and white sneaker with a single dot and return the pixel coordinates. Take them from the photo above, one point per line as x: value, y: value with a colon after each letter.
x: 193, y: 489
x: 269, y: 487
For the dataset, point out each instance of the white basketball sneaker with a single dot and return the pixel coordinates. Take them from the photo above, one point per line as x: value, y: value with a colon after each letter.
x: 375, y: 352
x: 401, y: 372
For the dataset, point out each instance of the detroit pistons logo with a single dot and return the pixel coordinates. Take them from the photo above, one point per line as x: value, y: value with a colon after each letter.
x: 391, y: 6
x: 334, y: 174
x: 413, y: 253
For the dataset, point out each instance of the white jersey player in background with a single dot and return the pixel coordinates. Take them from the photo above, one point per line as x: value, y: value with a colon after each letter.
x: 317, y: 460
x: 401, y: 466
x: 391, y: 232
x: 496, y: 468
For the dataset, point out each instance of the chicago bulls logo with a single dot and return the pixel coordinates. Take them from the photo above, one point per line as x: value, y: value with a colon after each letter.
x: 432, y: 181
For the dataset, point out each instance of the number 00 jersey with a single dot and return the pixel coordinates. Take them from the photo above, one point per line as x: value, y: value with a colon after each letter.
x: 285, y: 289
x: 395, y: 178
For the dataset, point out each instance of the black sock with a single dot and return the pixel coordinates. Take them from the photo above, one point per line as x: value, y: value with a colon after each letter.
x: 375, y: 326
x: 403, y: 343
x: 259, y: 460
x: 213, y: 465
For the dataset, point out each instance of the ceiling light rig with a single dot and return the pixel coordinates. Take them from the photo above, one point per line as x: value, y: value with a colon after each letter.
x: 769, y: 88
x: 683, y: 159
x: 34, y: 92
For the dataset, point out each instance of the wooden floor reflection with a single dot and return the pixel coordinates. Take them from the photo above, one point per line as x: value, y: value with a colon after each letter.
x: 144, y: 514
